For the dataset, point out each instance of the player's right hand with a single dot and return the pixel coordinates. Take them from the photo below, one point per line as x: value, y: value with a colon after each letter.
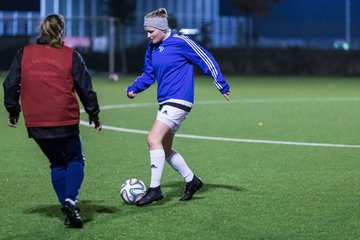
x: 131, y: 94
x: 13, y: 121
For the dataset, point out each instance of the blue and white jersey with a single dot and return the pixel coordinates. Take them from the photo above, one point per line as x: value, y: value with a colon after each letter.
x: 170, y: 63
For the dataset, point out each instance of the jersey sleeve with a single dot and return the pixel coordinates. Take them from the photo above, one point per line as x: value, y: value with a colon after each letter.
x: 83, y: 85
x: 205, y: 61
x: 147, y: 78
x: 12, y: 86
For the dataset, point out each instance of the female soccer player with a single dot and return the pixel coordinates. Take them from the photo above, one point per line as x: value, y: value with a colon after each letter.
x: 169, y: 60
x: 46, y: 77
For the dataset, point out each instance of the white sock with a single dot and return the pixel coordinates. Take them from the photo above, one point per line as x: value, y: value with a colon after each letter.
x: 70, y: 201
x: 157, y: 159
x: 178, y: 163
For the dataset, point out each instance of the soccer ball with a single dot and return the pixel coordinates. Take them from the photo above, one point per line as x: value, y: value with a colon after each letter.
x: 114, y: 77
x: 132, y: 190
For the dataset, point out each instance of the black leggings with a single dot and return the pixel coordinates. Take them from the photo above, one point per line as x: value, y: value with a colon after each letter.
x: 60, y: 151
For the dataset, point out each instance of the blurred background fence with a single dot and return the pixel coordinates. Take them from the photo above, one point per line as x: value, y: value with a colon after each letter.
x: 110, y: 34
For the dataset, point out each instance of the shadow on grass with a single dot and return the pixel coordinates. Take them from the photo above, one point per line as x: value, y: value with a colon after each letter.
x: 174, y: 190
x: 177, y: 189
x: 88, y: 210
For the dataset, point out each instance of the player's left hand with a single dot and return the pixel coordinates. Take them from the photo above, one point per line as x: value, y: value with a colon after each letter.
x: 226, y: 96
x: 97, y: 123
x: 13, y: 121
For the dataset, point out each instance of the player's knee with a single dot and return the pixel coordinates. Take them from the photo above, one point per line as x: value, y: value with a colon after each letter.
x: 154, y: 142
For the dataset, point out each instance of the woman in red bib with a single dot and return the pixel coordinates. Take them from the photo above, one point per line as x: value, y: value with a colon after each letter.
x: 44, y: 82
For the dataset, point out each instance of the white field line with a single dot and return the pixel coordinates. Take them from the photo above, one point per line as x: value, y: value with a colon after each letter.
x: 257, y: 100
x: 128, y: 130
x: 282, y: 100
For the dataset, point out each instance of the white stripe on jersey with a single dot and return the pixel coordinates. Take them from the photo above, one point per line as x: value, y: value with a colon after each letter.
x: 201, y: 53
x: 203, y: 56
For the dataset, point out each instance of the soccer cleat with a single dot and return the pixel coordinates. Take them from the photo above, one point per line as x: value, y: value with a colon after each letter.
x: 67, y: 221
x: 152, y: 195
x: 191, y: 188
x: 72, y: 216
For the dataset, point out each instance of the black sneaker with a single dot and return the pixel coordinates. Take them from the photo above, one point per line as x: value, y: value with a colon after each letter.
x: 72, y: 216
x: 152, y: 195
x: 191, y: 188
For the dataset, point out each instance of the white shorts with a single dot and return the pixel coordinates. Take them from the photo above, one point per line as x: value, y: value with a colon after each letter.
x: 172, y: 116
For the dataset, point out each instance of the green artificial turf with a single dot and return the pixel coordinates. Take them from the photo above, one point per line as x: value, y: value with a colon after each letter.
x: 255, y: 187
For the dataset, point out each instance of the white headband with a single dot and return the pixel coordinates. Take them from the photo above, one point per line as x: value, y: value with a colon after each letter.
x: 157, y: 22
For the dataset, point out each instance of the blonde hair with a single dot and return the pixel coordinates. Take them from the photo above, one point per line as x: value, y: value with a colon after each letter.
x: 161, y: 12
x: 52, y: 30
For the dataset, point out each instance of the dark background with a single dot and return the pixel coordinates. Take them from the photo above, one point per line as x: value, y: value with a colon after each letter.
x: 303, y: 19
x: 20, y: 5
x: 300, y: 19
